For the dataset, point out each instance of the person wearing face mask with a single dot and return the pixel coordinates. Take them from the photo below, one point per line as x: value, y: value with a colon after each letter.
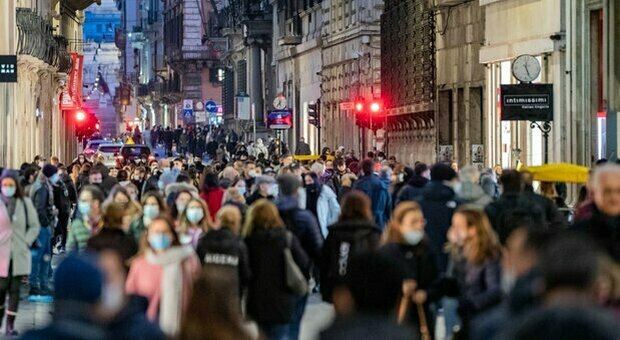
x: 42, y: 196
x: 321, y: 201
x: 19, y: 227
x: 263, y: 188
x: 408, y: 246
x: 211, y: 192
x: 152, y: 206
x: 88, y: 219
x: 476, y: 279
x: 125, y: 315
x: 194, y: 222
x: 163, y: 273
x: 177, y: 201
x: 62, y: 201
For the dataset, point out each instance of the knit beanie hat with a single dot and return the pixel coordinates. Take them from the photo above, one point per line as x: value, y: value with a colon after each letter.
x: 49, y: 170
x: 78, y: 279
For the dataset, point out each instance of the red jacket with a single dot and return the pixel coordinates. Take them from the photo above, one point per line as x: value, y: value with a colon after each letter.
x: 213, y: 198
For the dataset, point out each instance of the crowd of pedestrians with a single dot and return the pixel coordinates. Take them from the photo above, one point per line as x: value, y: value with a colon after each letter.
x: 192, y: 249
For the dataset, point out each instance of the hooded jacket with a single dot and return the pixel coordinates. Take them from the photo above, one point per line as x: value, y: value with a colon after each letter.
x: 472, y: 194
x: 438, y: 203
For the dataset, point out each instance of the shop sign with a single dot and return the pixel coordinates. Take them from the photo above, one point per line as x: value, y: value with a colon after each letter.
x: 530, y: 102
x: 8, y: 69
x: 280, y: 119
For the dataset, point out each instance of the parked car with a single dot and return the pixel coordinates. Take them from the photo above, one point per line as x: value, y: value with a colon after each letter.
x: 109, y: 152
x: 133, y: 153
x: 92, y: 146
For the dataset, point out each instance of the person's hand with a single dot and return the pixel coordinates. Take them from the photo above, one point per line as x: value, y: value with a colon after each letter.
x: 409, y: 287
x: 419, y: 297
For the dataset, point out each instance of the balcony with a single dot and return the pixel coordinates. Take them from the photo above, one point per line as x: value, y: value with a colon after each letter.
x: 37, y: 40
x: 80, y: 5
x: 289, y: 40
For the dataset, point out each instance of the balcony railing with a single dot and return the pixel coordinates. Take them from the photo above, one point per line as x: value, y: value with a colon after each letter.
x: 36, y: 38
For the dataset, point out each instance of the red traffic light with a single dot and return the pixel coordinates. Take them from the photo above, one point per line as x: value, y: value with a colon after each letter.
x: 97, y: 126
x: 359, y: 106
x: 80, y: 116
x: 376, y: 106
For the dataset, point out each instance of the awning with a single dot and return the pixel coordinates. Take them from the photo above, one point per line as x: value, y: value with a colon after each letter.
x: 558, y: 172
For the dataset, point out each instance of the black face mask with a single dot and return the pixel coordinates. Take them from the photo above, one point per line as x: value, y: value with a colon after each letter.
x: 313, y: 187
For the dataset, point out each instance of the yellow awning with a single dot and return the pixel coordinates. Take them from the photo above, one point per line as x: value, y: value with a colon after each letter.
x: 558, y: 172
x: 305, y: 158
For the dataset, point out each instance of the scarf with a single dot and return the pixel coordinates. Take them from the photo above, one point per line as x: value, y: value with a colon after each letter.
x: 171, y: 300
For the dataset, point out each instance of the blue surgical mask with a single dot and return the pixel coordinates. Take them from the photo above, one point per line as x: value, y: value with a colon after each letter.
x: 9, y: 191
x: 55, y: 178
x: 195, y: 215
x: 160, y: 241
x: 242, y: 190
x: 83, y: 208
x: 151, y: 211
x: 413, y: 237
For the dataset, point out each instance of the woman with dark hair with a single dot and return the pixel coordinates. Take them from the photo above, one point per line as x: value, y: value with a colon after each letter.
x: 88, y: 220
x: 210, y: 191
x: 177, y: 201
x: 355, y: 231
x: 112, y: 235
x: 152, y: 206
x: 19, y: 228
x: 164, y: 273
x: 194, y: 222
x: 270, y: 302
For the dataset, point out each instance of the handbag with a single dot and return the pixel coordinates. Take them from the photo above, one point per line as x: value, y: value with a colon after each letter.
x: 295, y: 279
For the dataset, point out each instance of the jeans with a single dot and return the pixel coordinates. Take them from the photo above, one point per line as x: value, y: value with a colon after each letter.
x: 276, y: 331
x: 300, y: 307
x: 41, y: 257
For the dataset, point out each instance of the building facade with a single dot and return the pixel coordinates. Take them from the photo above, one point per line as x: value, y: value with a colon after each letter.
x: 408, y: 68
x: 297, y: 58
x: 102, y: 64
x: 351, y: 69
x: 460, y: 82
x: 34, y: 124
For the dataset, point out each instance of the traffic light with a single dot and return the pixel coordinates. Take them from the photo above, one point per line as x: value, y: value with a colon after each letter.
x: 360, y: 106
x: 80, y: 116
x: 314, y: 113
x: 376, y: 107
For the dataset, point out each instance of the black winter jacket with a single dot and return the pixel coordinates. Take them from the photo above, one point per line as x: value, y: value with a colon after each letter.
x: 269, y: 299
x: 303, y: 224
x: 223, y: 248
x: 344, y: 241
x: 438, y: 202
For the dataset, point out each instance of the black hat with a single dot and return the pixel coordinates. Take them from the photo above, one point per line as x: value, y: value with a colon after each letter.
x: 49, y: 170
x: 294, y: 166
x: 442, y: 172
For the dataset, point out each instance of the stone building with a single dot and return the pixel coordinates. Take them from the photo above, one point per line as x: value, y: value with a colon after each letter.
x: 297, y: 58
x: 460, y: 81
x: 408, y: 79
x: 34, y: 124
x: 102, y: 63
x: 192, y: 48
x: 351, y: 68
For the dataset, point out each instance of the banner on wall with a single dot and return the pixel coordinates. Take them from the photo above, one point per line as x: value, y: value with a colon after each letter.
x: 71, y: 97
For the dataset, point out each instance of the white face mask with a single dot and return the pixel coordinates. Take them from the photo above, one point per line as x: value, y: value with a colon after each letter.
x: 413, y: 237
